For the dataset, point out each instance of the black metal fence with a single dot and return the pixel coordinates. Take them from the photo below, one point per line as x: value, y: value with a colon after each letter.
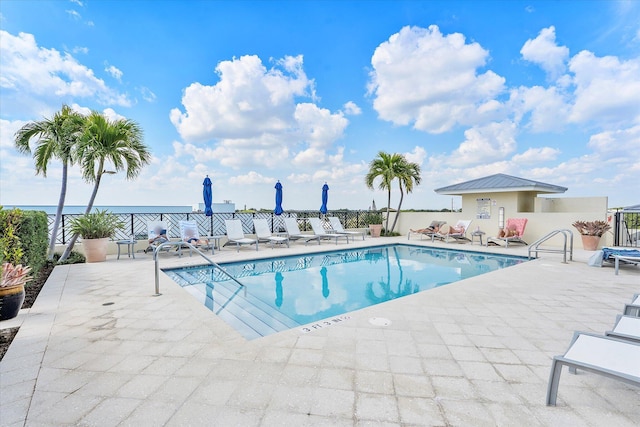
x: 136, y: 223
x: 627, y: 229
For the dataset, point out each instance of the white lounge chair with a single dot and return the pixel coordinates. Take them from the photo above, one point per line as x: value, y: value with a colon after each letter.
x: 462, y: 225
x: 432, y: 229
x: 294, y: 233
x: 264, y: 234
x: 626, y: 328
x: 337, y: 227
x: 318, y: 230
x: 611, y: 357
x: 633, y: 260
x: 236, y: 235
x: 189, y: 233
x: 633, y: 309
x: 157, y: 233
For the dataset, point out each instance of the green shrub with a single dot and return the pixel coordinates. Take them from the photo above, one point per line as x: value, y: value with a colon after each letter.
x: 34, y: 238
x: 74, y: 258
x: 10, y: 240
x: 24, y: 238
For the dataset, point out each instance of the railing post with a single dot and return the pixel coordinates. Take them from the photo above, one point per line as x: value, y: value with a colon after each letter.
x: 63, y: 229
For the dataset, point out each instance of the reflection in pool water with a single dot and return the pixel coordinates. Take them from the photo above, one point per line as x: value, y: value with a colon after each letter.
x: 287, y: 292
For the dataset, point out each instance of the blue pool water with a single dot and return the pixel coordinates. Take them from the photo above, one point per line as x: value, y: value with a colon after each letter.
x: 288, y: 292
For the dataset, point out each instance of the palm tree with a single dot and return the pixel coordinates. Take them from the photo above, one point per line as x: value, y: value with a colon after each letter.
x: 408, y: 174
x: 118, y: 143
x: 385, y: 167
x: 56, y: 138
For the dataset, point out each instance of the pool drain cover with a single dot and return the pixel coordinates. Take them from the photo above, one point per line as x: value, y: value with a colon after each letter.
x: 379, y: 321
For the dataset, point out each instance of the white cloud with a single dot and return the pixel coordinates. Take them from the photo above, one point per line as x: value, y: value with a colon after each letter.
x: 250, y: 178
x: 607, y: 89
x: 147, y: 94
x: 37, y: 79
x: 253, y: 117
x: 417, y: 155
x: 536, y: 155
x: 486, y: 143
x: 544, y: 51
x: 617, y: 143
x: 80, y: 49
x: 74, y: 14
x: 78, y: 2
x: 114, y: 72
x: 110, y: 114
x: 299, y: 177
x: 548, y: 108
x: 247, y: 101
x: 422, y: 77
x: 318, y: 126
x: 351, y: 108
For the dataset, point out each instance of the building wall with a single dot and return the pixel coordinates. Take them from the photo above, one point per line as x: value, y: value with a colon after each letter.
x: 539, y: 223
x: 570, y: 204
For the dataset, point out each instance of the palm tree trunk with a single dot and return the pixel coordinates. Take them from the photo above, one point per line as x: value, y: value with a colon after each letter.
x: 56, y: 222
x: 386, y: 226
x: 73, y: 239
x: 395, y: 220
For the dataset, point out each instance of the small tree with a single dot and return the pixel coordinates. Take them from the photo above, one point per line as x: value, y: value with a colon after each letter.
x: 55, y: 138
x: 388, y: 167
x: 118, y: 143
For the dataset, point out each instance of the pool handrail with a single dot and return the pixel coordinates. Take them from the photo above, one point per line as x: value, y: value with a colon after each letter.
x: 193, y: 248
x: 535, y: 246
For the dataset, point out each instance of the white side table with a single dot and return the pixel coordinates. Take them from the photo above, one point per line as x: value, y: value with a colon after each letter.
x: 478, y: 234
x: 216, y: 241
x: 130, y: 247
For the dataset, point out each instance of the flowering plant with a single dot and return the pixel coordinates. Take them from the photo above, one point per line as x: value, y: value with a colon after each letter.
x: 14, y: 275
x: 592, y: 228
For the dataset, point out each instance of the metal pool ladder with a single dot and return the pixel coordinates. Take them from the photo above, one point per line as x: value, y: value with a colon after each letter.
x: 157, y: 267
x: 535, y: 246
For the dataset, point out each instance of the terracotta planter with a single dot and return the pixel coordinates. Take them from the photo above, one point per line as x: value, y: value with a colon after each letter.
x: 95, y: 250
x: 590, y: 243
x: 375, y: 229
x: 11, y: 299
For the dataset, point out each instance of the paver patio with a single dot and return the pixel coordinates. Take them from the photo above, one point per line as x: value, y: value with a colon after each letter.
x: 474, y: 353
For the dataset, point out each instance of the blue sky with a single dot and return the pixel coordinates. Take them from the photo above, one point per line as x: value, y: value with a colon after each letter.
x: 307, y: 92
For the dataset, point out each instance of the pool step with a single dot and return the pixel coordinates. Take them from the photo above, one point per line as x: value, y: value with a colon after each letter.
x: 246, y: 313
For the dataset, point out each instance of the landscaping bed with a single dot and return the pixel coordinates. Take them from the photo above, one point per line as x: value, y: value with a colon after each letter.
x: 31, y: 292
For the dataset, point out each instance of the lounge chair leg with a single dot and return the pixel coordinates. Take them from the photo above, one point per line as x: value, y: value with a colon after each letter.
x: 554, y: 379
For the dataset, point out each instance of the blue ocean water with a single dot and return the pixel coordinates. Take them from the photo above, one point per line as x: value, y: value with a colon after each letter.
x: 79, y: 209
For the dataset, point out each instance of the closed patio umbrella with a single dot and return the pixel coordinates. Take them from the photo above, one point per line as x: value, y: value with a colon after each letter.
x: 207, y: 196
x: 325, y: 198
x: 278, y: 210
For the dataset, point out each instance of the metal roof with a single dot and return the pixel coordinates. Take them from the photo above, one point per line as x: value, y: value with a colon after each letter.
x: 634, y: 208
x: 499, y: 183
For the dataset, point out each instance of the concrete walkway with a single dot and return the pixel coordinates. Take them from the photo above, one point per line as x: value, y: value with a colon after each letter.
x: 97, y: 349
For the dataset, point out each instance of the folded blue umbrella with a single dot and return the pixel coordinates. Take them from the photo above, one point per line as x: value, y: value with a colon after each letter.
x: 325, y: 198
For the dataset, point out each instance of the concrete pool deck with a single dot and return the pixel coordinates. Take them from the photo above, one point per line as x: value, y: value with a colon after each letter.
x: 98, y: 349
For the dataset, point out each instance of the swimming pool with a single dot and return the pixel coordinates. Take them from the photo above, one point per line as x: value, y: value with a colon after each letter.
x: 288, y: 292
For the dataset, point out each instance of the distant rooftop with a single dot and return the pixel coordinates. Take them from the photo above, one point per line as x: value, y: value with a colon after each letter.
x: 499, y: 183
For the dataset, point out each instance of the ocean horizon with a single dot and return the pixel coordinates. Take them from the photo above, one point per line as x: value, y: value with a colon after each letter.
x: 79, y: 209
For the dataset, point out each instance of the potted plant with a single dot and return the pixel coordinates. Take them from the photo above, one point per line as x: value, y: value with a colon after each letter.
x: 96, y: 228
x: 591, y: 232
x: 374, y: 221
x: 14, y: 277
